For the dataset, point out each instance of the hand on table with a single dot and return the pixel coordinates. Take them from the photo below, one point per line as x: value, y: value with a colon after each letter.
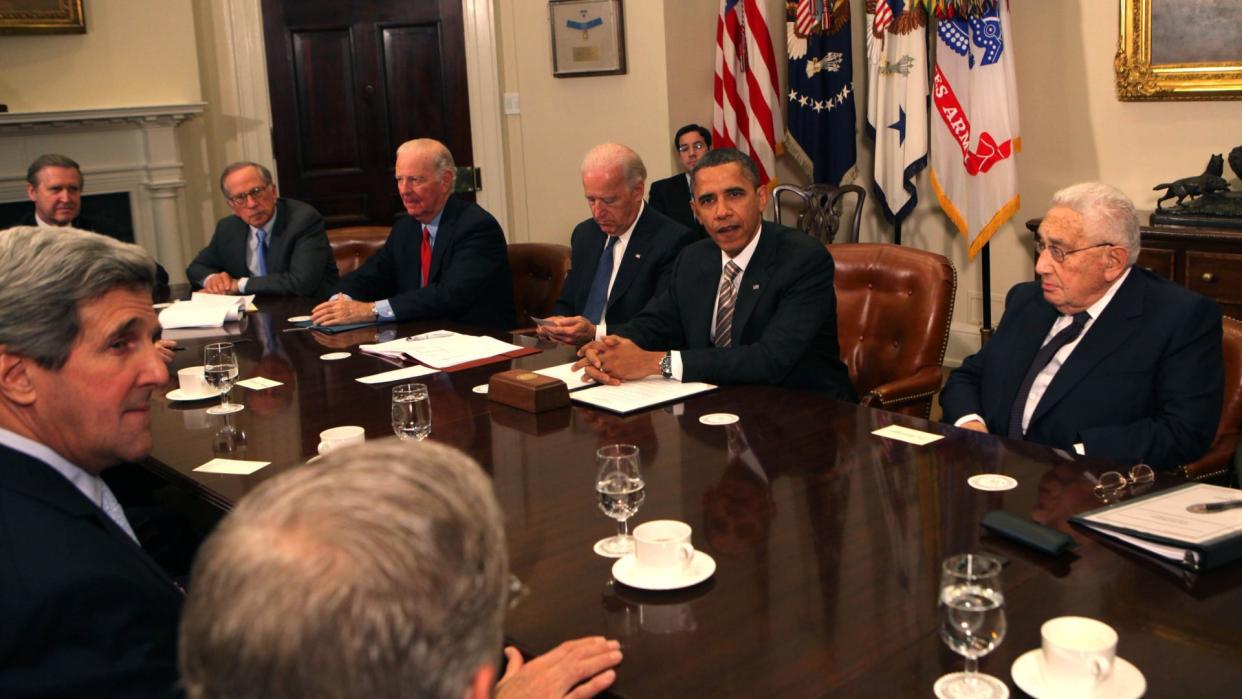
x: 341, y: 311
x: 558, y: 672
x: 614, y: 359
x: 975, y: 425
x: 570, y: 330
x: 220, y: 283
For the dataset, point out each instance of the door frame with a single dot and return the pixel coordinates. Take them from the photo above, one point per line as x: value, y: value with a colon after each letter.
x: 246, y: 64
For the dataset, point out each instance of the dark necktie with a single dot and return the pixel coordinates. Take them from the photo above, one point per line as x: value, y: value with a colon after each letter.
x: 725, y: 301
x: 1045, y: 354
x: 260, y: 253
x: 425, y: 254
x: 598, y: 296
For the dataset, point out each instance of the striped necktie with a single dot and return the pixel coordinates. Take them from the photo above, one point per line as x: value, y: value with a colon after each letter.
x: 724, y: 306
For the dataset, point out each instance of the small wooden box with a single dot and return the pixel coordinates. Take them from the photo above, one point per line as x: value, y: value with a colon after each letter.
x: 526, y: 390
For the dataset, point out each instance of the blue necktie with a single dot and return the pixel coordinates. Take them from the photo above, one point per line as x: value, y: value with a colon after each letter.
x: 260, y: 255
x: 1045, y: 354
x: 598, y: 297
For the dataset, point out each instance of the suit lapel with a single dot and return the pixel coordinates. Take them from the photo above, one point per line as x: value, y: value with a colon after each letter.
x: 702, y: 297
x: 444, y: 237
x: 754, y: 280
x: 1030, y: 337
x: 640, y: 243
x: 276, y: 239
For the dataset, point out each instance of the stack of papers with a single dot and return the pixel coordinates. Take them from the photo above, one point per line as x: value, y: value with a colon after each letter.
x: 205, y: 311
x: 441, y: 348
x: 636, y: 395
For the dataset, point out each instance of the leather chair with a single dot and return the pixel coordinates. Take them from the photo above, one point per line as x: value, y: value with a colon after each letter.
x: 353, y: 245
x: 822, y: 207
x: 1219, y: 459
x: 539, y: 271
x: 894, y: 306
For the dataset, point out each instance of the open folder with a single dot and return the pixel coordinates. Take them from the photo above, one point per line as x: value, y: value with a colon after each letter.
x: 1160, y: 524
x: 449, y: 351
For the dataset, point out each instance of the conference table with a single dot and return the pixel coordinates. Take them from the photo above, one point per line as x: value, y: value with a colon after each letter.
x: 828, y: 540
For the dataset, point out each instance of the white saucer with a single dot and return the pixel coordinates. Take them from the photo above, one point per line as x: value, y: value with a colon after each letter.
x: 1127, y: 681
x: 178, y: 395
x: 626, y: 570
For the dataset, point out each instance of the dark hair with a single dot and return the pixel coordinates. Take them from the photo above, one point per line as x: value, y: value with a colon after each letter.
x: 724, y: 156
x: 51, y: 160
x: 264, y: 173
x: 707, y: 135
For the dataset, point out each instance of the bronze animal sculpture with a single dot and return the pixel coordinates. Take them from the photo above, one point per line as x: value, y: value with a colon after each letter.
x: 1235, y: 161
x: 1210, y: 181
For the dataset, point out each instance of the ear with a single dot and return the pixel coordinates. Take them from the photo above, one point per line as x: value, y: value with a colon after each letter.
x: 16, y: 383
x: 483, y: 683
x: 1118, y: 260
x: 30, y: 191
x: 765, y: 194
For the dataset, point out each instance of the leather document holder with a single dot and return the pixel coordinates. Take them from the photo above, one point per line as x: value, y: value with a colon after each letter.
x: 1025, y: 531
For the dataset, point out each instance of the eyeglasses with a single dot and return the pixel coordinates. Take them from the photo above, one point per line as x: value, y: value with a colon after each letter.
x: 1059, y: 255
x: 697, y: 145
x: 1111, y: 483
x: 239, y: 199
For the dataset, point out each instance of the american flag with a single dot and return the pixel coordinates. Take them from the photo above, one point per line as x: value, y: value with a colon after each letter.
x: 747, y: 115
x: 811, y: 13
x: 883, y: 18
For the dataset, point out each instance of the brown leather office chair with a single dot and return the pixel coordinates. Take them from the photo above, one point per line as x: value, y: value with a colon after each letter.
x: 539, y: 271
x: 353, y: 245
x: 894, y: 306
x: 821, y: 208
x: 1218, y: 460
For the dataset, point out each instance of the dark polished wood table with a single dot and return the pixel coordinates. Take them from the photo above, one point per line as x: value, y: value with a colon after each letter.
x: 828, y: 540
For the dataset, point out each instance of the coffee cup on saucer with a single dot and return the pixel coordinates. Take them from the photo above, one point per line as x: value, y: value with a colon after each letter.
x: 337, y: 437
x: 1076, y: 655
x: 663, y: 546
x: 193, y: 384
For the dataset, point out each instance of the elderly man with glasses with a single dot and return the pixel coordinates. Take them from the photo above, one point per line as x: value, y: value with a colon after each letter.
x: 269, y: 245
x: 1097, y: 355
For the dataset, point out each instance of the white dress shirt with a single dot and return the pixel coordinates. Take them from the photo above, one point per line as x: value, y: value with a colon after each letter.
x: 618, y: 254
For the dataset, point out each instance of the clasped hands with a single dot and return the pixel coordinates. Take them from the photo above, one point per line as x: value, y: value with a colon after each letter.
x: 342, y: 310
x: 220, y: 283
x: 614, y: 359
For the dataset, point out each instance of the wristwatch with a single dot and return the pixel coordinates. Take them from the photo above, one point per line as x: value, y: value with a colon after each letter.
x: 666, y: 365
x: 375, y: 311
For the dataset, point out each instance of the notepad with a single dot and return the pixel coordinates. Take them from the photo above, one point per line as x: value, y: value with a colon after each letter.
x: 636, y: 395
x: 565, y: 372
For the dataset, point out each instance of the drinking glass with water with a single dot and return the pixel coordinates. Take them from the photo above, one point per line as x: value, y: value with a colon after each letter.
x: 972, y: 615
x: 220, y: 372
x: 619, y: 483
x: 411, y: 411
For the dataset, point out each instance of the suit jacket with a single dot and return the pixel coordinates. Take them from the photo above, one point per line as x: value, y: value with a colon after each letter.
x: 87, y: 224
x: 469, y: 281
x: 299, y: 259
x: 643, y: 273
x: 671, y: 197
x: 784, y: 321
x: 85, y: 611
x: 1144, y: 384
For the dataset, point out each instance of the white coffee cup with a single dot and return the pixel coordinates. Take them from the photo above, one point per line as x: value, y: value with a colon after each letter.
x: 192, y: 383
x: 337, y: 437
x: 663, y: 545
x: 1077, y: 655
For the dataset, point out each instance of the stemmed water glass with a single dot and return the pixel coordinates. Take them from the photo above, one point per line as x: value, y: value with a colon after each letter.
x: 411, y: 411
x: 619, y: 483
x: 972, y: 612
x: 220, y: 371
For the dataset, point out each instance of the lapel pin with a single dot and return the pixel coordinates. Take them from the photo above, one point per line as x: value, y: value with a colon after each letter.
x: 754, y: 288
x: 638, y: 256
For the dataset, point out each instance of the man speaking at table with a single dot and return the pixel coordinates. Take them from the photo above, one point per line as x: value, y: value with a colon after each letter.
x: 446, y: 261
x: 1097, y: 355
x: 753, y: 305
x: 622, y: 255
x: 85, y: 612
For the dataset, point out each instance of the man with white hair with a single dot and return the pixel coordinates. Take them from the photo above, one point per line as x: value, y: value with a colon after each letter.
x: 379, y: 572
x: 1097, y: 355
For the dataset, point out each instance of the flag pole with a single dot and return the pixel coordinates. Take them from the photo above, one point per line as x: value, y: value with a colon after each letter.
x: 985, y: 332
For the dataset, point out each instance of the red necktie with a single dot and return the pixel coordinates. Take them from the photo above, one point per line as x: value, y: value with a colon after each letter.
x: 425, y: 262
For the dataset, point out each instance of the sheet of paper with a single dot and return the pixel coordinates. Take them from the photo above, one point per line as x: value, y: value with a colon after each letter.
x: 232, y: 467
x: 1166, y: 515
x: 396, y: 348
x: 565, y: 372
x: 448, y: 350
x: 541, y: 321
x: 259, y: 383
x: 408, y: 372
x: 188, y: 314
x: 907, y: 434
x: 636, y: 395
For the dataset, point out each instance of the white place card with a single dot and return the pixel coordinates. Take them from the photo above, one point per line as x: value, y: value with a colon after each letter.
x: 408, y: 372
x: 907, y: 434
x: 259, y: 383
x: 232, y: 467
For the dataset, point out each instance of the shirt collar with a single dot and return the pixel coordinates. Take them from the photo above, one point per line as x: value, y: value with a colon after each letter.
x: 432, y: 226
x: 44, y: 224
x: 88, y: 483
x: 271, y: 223
x: 743, y: 258
x: 624, y: 238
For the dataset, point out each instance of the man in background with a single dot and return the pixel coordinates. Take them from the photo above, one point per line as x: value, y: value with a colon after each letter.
x: 671, y: 195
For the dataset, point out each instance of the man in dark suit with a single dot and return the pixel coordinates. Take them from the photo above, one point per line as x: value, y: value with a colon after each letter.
x: 269, y: 245
x: 54, y: 183
x: 622, y: 255
x: 671, y: 195
x: 85, y: 611
x: 447, y: 260
x: 754, y: 305
x: 1096, y: 356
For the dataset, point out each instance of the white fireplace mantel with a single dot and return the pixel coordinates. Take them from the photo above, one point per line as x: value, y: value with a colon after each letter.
x: 121, y: 149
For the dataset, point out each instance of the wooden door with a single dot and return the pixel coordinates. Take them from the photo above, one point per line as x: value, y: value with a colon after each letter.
x: 350, y: 81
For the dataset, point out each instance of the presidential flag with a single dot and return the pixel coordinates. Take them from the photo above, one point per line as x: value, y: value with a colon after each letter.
x: 820, y: 101
x: 975, y: 118
x: 897, y: 101
x: 747, y: 114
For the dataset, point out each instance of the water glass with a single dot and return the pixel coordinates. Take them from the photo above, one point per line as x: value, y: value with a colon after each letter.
x: 220, y: 372
x: 411, y: 411
x: 619, y: 485
x: 972, y: 613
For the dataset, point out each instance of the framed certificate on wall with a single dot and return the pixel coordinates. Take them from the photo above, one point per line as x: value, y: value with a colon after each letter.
x: 588, y: 38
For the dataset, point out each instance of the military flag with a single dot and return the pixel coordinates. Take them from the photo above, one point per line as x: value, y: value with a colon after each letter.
x: 975, y: 118
x: 820, y: 102
x: 747, y: 114
x: 897, y: 101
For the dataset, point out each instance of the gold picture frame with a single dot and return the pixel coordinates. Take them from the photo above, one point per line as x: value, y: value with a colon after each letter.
x: 42, y: 17
x: 1209, y: 68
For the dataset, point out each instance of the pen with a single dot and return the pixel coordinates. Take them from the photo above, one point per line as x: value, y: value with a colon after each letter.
x: 1209, y: 507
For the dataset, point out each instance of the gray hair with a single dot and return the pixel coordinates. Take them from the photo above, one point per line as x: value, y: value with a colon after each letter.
x: 51, y: 160
x: 610, y: 155
x: 441, y: 158
x: 377, y: 571
x: 1108, y: 215
x: 48, y: 274
x: 264, y: 173
x: 724, y: 156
